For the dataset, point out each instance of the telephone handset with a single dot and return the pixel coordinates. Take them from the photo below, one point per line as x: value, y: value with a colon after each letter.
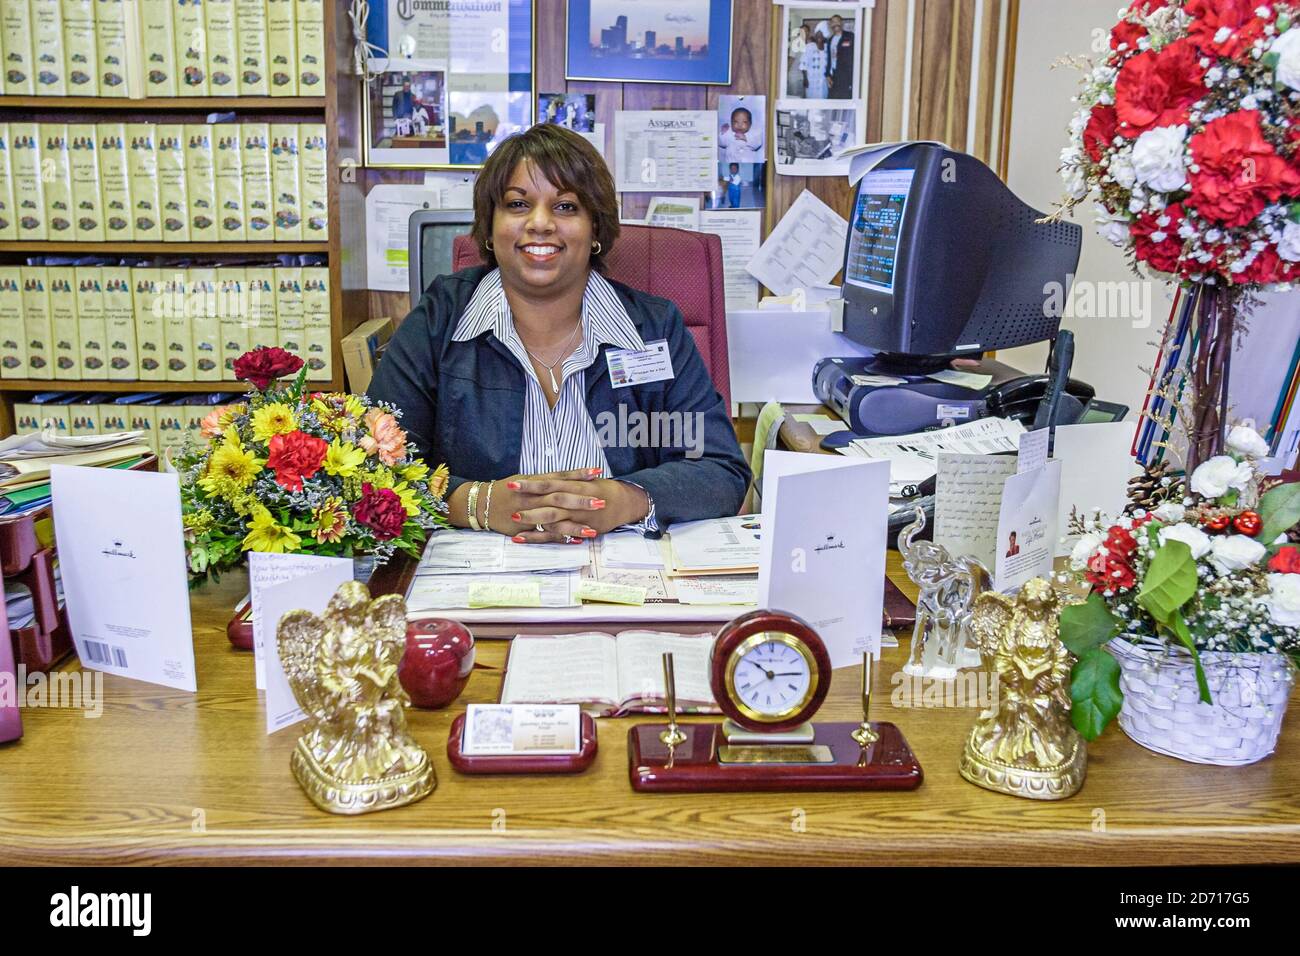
x: 1019, y: 398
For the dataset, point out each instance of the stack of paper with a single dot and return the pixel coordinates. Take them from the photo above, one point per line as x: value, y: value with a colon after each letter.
x: 49, y: 443
x: 914, y: 458
x: 716, y: 546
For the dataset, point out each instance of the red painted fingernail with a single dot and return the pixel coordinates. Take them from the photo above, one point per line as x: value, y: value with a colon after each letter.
x: 512, y: 485
x: 589, y: 532
x: 598, y: 502
x: 593, y: 471
x: 516, y: 517
x: 518, y: 539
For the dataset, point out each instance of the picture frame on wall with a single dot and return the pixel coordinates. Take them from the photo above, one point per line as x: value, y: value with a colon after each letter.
x: 649, y: 41
x: 821, y: 51
x: 456, y: 80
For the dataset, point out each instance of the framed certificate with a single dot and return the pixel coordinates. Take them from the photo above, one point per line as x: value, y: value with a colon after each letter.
x: 452, y: 80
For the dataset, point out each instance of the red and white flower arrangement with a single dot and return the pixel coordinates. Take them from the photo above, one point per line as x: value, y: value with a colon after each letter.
x: 1211, y: 570
x: 1188, y: 134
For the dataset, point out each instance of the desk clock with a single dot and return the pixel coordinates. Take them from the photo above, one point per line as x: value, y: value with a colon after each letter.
x: 770, y: 673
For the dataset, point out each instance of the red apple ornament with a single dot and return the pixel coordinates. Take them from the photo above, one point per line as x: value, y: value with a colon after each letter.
x: 438, y: 661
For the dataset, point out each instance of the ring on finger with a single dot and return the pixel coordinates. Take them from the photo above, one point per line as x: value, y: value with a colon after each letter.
x: 540, y: 528
x: 570, y: 539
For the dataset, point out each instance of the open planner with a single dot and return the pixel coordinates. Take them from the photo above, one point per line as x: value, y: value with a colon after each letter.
x: 609, y: 675
x: 710, y: 575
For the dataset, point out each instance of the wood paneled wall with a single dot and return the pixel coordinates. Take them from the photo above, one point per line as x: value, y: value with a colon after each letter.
x: 924, y: 59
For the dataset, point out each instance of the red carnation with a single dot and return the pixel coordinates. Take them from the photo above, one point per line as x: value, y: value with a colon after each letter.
x: 380, y: 510
x: 1244, y: 26
x: 1165, y: 254
x: 1128, y: 33
x: 262, y: 366
x: 295, y: 456
x: 1286, y: 561
x: 1109, y: 572
x: 1156, y: 89
x: 1238, y: 171
x: 1264, y: 269
x: 1100, y: 131
x: 1120, y: 542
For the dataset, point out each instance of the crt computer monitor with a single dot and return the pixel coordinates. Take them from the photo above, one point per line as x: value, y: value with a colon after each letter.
x: 942, y: 259
x: 430, y: 236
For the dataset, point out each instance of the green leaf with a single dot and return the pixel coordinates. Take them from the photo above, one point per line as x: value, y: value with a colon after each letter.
x: 1179, y: 626
x: 1280, y: 509
x: 1087, y: 625
x: 1295, y: 211
x: 1094, y: 692
x: 1170, y: 582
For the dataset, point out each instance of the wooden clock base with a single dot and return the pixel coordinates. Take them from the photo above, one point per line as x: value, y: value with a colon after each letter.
x: 695, y: 765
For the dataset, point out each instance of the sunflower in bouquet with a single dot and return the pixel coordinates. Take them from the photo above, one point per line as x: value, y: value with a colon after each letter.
x: 293, y: 471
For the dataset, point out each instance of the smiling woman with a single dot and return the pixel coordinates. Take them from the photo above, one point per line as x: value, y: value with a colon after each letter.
x: 503, y: 370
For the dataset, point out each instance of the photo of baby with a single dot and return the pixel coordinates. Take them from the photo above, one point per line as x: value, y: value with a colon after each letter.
x: 739, y: 186
x: 742, y: 122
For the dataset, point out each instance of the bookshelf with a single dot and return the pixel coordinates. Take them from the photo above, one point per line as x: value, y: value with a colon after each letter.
x: 195, y: 109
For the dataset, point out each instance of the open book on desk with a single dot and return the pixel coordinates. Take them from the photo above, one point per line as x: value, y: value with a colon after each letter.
x: 609, y: 675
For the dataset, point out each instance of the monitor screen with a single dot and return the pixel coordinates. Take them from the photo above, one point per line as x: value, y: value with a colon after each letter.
x: 436, y: 247
x: 876, y: 227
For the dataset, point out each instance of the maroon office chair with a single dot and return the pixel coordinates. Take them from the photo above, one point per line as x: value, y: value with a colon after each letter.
x: 683, y: 267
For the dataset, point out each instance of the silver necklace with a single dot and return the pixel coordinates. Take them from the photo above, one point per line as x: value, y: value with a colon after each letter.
x: 564, y: 351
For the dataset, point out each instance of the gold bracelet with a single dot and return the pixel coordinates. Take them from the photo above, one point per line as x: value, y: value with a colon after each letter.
x: 472, y: 507
x: 487, y: 508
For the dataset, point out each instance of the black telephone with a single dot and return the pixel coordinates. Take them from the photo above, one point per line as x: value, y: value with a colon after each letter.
x: 1019, y: 398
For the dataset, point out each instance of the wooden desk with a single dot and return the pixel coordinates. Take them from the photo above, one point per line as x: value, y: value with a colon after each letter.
x: 170, y: 777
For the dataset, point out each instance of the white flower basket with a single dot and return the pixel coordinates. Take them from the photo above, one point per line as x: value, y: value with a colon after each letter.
x: 1163, y: 711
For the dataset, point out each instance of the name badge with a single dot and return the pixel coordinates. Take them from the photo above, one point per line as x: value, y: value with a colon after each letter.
x: 630, y: 367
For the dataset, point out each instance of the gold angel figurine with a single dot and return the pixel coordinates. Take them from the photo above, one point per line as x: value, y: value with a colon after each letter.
x: 1024, y: 744
x: 356, y: 755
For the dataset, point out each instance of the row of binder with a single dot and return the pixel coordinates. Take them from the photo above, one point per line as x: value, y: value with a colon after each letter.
x: 168, y: 182
x: 114, y: 323
x: 139, y: 48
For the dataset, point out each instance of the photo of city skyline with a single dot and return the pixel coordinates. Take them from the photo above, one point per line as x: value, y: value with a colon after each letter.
x: 671, y: 28
x: 684, y: 41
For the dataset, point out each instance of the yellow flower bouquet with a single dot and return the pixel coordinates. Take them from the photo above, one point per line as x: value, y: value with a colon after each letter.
x: 289, y: 470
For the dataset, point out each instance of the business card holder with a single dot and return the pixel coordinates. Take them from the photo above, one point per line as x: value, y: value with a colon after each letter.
x: 515, y: 763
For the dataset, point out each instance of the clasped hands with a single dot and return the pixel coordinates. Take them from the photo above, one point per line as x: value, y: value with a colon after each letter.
x: 572, y: 506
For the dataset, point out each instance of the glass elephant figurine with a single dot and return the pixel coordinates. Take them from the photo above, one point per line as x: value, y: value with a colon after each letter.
x: 941, y: 640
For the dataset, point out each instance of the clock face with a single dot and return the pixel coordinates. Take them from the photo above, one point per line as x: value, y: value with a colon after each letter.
x: 771, y: 676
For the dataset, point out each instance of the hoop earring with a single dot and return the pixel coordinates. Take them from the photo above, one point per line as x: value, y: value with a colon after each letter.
x: 596, y: 247
x: 488, y: 245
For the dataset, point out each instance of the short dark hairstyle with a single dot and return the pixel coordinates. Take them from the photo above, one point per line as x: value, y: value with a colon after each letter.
x: 741, y: 109
x: 569, y: 162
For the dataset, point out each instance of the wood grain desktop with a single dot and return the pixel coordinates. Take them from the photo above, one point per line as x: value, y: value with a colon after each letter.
x: 166, y: 777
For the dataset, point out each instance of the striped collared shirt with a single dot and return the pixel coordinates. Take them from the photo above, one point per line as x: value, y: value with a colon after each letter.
x: 564, y: 437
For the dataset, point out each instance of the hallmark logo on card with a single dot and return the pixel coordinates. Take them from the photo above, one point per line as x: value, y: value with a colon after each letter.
x: 117, y: 551
x: 831, y: 543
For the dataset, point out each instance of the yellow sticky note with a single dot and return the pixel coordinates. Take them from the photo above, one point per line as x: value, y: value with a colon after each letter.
x: 505, y: 594
x: 611, y: 593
